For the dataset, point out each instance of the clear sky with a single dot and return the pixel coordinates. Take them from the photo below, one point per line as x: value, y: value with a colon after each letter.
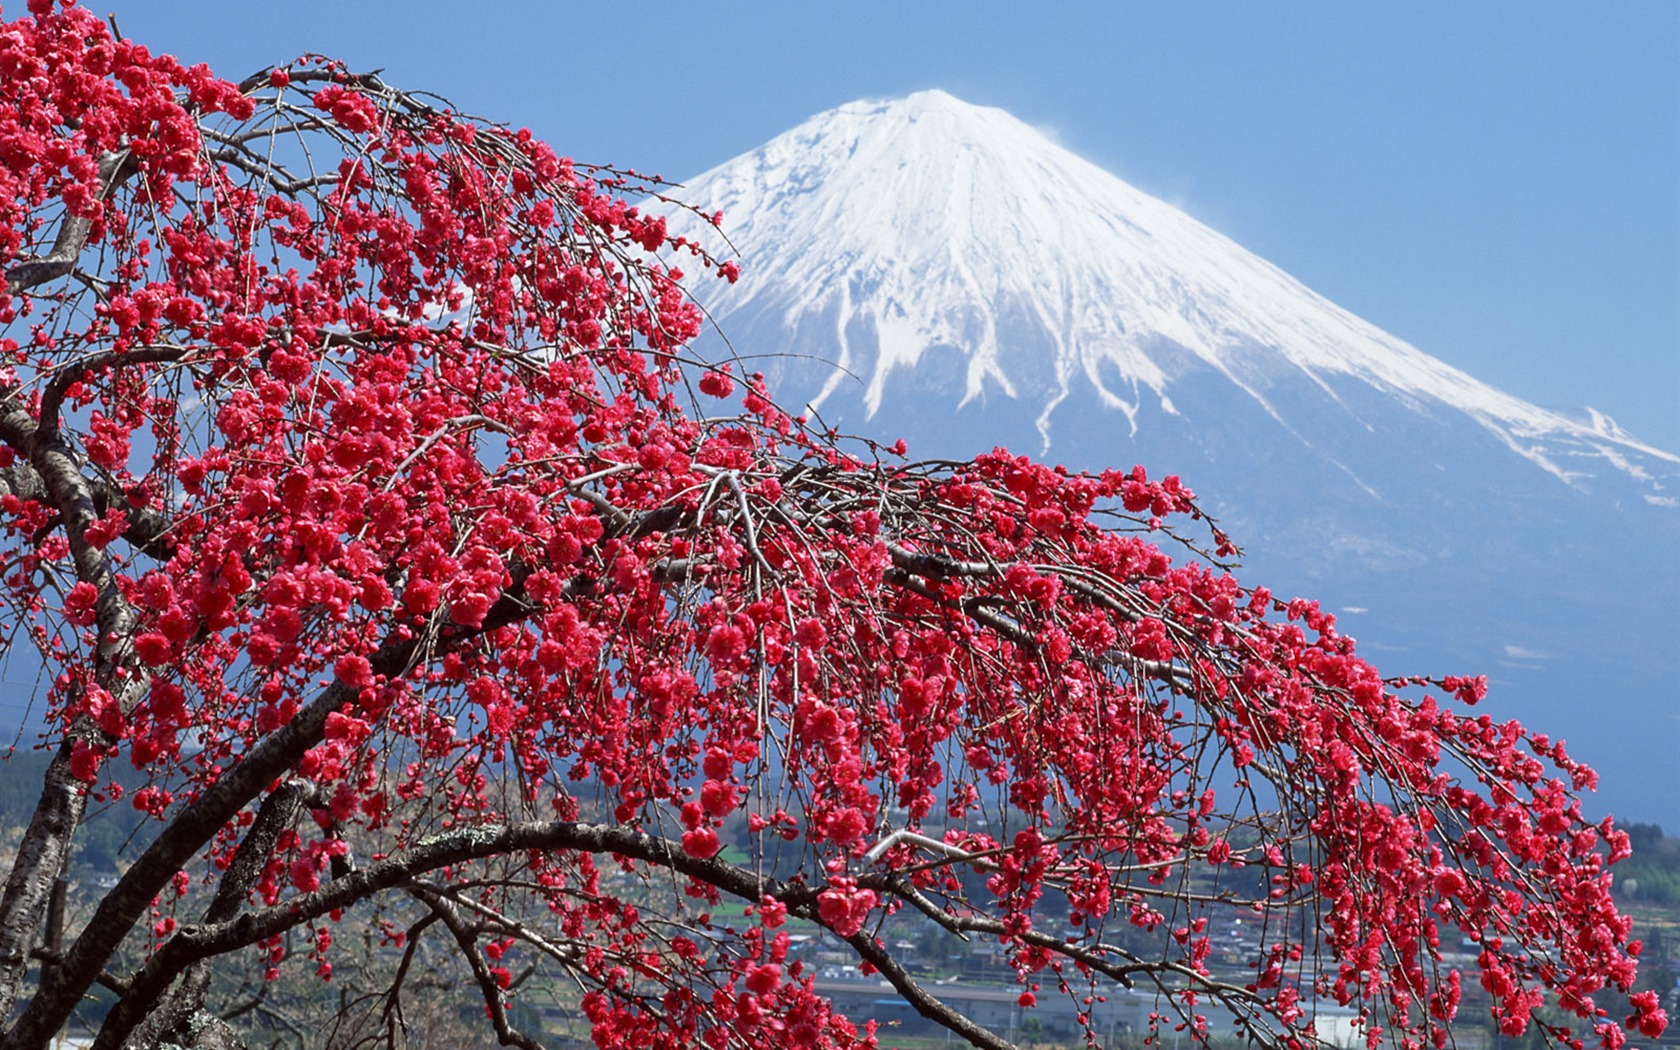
x: 1498, y: 184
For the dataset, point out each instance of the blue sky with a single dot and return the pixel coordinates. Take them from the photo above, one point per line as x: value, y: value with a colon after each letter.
x: 1498, y: 184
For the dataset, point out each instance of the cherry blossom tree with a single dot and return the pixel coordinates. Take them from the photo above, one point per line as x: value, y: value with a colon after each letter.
x: 360, y: 497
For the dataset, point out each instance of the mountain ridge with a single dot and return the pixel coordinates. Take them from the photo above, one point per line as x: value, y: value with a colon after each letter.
x: 986, y: 287
x: 1016, y: 251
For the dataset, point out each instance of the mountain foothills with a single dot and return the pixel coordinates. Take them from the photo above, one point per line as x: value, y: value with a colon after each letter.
x: 941, y: 271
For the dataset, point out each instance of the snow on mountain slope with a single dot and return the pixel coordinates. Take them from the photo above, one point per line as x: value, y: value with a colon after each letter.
x: 928, y: 269
x: 926, y: 222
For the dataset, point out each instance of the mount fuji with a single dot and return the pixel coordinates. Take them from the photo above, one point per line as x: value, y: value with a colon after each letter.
x: 930, y: 269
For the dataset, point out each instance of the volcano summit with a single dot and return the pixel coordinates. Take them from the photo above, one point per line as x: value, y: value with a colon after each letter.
x: 931, y: 269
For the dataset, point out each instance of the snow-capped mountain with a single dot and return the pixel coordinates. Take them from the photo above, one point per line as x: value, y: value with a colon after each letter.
x: 924, y: 223
x: 931, y: 269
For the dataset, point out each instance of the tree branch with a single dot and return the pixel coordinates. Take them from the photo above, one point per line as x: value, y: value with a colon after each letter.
x: 114, y: 169
x: 45, y: 847
x: 146, y: 1019
x: 450, y: 916
x: 208, y: 939
x: 926, y: 1004
x: 72, y: 371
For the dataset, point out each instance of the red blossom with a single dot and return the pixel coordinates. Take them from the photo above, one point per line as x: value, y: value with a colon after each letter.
x: 354, y: 671
x: 1650, y: 1019
x: 701, y: 842
x: 399, y: 502
x: 153, y: 648
x: 717, y: 383
x: 764, y: 979
x: 843, y: 907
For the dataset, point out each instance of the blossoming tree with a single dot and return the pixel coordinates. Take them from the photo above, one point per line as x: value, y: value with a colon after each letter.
x: 359, y: 496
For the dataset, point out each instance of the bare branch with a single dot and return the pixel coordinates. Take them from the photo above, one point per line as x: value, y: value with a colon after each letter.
x: 114, y: 169
x: 491, y: 992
